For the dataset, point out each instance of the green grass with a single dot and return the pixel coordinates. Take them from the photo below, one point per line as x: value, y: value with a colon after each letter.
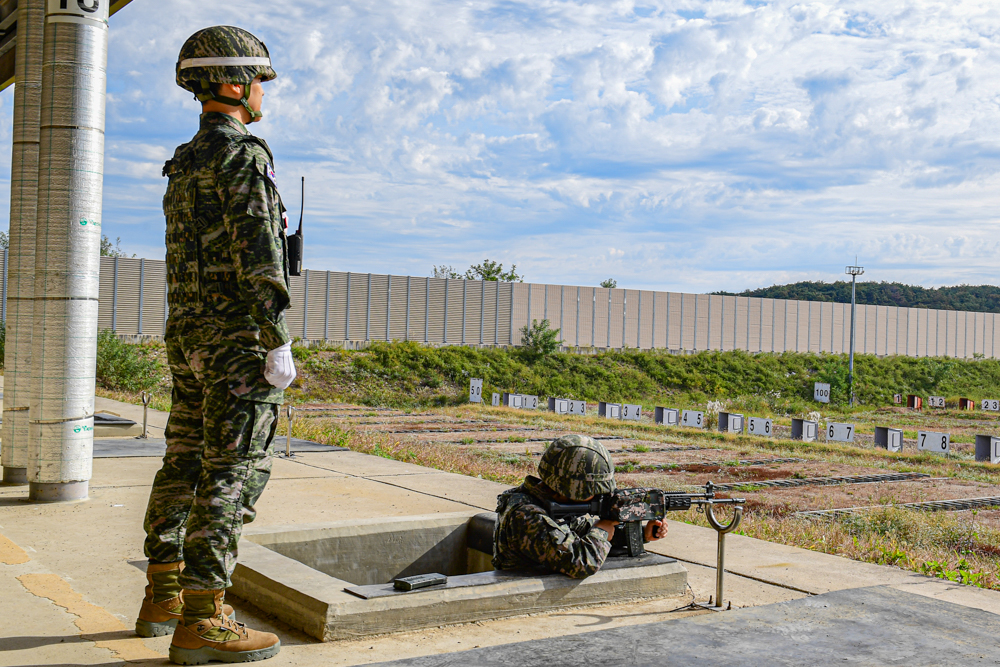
x: 406, y: 374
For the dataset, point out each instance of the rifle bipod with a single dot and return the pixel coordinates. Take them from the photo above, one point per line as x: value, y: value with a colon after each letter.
x: 720, y: 566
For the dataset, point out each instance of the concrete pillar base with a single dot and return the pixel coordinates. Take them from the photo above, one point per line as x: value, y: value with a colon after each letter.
x: 58, y: 492
x: 15, y: 475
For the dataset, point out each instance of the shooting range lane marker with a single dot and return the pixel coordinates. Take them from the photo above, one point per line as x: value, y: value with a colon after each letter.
x: 824, y: 481
x: 956, y: 505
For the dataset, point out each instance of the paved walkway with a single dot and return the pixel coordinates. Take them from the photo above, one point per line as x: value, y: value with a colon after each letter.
x: 71, y: 578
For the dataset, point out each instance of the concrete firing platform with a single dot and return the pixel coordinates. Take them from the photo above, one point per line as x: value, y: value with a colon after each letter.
x: 116, y: 448
x: 867, y: 626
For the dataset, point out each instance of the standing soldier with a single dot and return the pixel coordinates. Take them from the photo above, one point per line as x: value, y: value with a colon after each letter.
x: 228, y: 349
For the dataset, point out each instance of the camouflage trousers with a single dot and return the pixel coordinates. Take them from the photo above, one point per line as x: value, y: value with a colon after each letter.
x: 217, y: 463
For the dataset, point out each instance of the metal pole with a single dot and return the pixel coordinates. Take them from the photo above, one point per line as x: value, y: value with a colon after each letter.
x: 720, y: 567
x: 577, y: 330
x: 305, y: 305
x: 290, y: 411
x: 67, y: 250
x: 114, y: 296
x: 652, y: 331
x: 666, y: 325
x: 607, y: 342
x: 3, y: 306
x: 142, y: 280
x: 682, y: 321
x: 347, y: 310
x: 20, y: 261
x: 326, y: 309
x: 444, y: 333
x: 146, y: 396
x: 854, y: 272
x: 368, y: 311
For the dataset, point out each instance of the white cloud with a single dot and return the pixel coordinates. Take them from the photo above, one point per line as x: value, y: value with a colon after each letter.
x: 716, y: 145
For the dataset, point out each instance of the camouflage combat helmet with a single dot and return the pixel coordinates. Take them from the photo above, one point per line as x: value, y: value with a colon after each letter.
x: 223, y: 54
x: 577, y: 466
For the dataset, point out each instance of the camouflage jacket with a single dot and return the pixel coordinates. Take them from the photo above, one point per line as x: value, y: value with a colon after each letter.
x: 226, y: 256
x: 526, y: 537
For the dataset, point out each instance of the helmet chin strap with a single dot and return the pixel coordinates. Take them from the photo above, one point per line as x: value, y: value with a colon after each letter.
x: 206, y: 95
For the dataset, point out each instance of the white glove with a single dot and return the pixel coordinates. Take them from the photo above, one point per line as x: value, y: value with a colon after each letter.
x: 280, y: 367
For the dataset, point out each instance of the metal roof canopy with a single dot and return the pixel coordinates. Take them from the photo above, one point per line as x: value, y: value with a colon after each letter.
x: 8, y: 37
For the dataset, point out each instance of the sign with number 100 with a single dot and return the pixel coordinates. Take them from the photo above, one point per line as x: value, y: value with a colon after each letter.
x: 929, y: 441
x: 821, y: 392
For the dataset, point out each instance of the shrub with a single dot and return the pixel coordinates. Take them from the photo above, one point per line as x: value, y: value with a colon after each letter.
x: 123, y: 366
x: 539, y: 339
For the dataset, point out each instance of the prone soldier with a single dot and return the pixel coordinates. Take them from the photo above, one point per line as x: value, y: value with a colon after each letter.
x: 228, y: 349
x: 573, y: 469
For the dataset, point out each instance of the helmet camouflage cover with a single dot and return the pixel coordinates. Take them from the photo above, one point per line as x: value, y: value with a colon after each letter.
x: 578, y: 467
x: 222, y: 54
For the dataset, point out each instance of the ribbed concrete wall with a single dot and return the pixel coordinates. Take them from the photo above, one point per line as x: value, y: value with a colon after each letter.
x: 338, y: 306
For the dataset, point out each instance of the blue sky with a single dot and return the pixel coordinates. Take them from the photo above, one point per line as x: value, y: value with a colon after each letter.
x: 689, y: 145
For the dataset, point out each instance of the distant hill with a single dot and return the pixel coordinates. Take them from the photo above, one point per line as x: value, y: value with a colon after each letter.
x: 976, y: 298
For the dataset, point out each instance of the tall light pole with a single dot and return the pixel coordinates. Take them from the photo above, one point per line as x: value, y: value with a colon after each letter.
x: 854, y: 272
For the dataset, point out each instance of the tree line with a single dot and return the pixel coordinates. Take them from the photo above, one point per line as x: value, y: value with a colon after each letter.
x: 974, y: 298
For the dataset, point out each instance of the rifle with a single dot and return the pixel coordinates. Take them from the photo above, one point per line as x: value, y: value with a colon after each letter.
x: 630, y: 507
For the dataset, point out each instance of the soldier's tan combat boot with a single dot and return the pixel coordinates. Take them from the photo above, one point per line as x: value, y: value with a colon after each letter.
x: 207, y: 634
x: 163, y: 605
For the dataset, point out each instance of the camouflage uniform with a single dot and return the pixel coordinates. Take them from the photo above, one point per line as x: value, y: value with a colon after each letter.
x: 526, y: 537
x: 227, y: 278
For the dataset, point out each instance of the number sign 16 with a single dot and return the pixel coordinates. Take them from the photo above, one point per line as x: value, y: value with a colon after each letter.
x: 929, y: 441
x: 840, y: 432
x: 693, y: 418
x: 991, y: 404
x: 760, y: 426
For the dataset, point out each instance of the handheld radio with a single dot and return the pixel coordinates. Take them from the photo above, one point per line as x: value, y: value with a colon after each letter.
x: 295, y: 240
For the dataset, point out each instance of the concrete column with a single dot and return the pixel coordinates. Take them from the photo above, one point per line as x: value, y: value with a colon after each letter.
x: 21, y: 256
x: 67, y: 250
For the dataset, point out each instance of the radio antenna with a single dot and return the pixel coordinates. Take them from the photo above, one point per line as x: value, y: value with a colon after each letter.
x: 302, y: 210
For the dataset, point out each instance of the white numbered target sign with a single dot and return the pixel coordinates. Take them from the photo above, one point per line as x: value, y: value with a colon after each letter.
x: 529, y: 402
x: 496, y: 400
x: 476, y: 390
x: 840, y: 432
x: 578, y: 407
x: 935, y: 401
x: 821, y: 392
x: 897, y: 399
x: 760, y: 426
x: 667, y: 416
x: 991, y: 404
x: 631, y: 412
x: 693, y: 418
x: 929, y: 441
